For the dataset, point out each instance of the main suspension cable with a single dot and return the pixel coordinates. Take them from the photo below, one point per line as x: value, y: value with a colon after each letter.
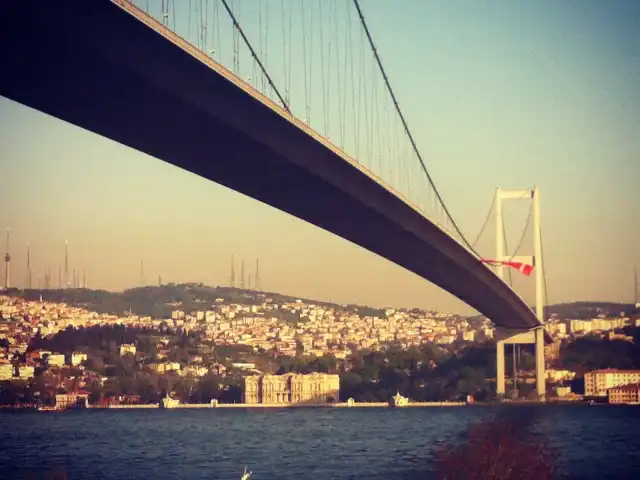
x: 544, y: 279
x: 255, y: 57
x: 506, y: 249
x: 406, y: 127
x: 486, y: 221
x: 524, y: 233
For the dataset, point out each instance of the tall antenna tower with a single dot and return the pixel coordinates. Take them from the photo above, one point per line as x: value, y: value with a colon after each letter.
x: 242, y: 285
x: 636, y: 298
x: 159, y: 281
x: 232, y: 278
x: 256, y: 278
x: 84, y: 277
x: 66, y: 264
x: 7, y: 264
x: 29, y: 277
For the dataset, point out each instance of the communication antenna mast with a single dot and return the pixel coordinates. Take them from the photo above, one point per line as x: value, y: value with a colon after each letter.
x: 232, y: 278
x: 256, y: 279
x: 7, y: 264
x: 242, y: 285
x: 66, y: 264
x: 29, y: 278
x: 636, y: 298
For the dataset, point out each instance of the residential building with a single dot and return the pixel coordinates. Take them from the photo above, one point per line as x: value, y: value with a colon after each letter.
x: 6, y: 371
x: 597, y: 382
x: 26, y: 371
x: 77, y: 358
x: 56, y: 360
x: 559, y: 375
x: 72, y: 399
x: 127, y: 348
x: 624, y: 394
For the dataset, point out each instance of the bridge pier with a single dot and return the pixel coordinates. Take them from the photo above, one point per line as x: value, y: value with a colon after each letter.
x: 528, y: 337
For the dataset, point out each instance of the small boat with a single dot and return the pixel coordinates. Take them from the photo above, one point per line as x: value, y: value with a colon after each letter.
x: 398, y: 401
x: 168, y: 402
x: 47, y: 408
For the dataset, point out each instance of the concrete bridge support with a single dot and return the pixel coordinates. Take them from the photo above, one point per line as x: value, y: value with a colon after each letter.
x: 537, y: 335
x: 529, y: 337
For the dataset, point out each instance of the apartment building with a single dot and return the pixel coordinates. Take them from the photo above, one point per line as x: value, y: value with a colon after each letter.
x: 624, y: 394
x: 597, y: 382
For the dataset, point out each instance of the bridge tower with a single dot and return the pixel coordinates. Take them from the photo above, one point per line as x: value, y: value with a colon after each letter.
x: 535, y: 336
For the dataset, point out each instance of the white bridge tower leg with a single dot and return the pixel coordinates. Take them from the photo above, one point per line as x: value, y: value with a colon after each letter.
x: 540, y: 294
x: 535, y: 336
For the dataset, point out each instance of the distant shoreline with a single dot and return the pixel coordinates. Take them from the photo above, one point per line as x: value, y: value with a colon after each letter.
x: 189, y: 406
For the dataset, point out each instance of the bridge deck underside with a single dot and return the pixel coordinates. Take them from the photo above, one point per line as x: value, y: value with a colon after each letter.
x: 93, y: 65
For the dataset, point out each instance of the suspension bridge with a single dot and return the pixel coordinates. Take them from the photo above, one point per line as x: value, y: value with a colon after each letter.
x: 287, y: 102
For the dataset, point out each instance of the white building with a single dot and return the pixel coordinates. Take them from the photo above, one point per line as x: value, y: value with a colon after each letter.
x: 127, y: 348
x: 469, y: 336
x: 77, y: 358
x: 6, y: 371
x: 559, y: 375
x: 25, y: 372
x: 56, y: 360
x: 597, y: 382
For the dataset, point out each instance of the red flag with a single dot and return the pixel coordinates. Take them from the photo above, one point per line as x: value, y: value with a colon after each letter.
x: 523, y: 268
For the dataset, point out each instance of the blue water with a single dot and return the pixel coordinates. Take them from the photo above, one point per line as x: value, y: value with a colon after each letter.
x: 593, y: 442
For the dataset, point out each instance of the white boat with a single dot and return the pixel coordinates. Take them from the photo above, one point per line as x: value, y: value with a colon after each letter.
x: 398, y: 401
x: 168, y: 402
x: 47, y: 408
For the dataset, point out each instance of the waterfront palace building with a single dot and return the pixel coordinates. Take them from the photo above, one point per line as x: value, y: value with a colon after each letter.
x: 291, y: 388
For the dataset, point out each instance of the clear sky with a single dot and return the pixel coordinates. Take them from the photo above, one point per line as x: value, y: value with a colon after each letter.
x: 504, y: 93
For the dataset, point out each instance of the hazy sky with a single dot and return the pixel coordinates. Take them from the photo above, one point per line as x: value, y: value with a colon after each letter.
x: 504, y: 93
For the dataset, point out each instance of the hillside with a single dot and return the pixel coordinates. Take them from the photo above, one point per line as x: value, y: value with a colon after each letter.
x: 584, y: 310
x: 160, y: 301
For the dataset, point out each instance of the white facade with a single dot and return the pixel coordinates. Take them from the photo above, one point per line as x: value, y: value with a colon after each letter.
x: 56, y: 360
x: 597, y: 382
x: 77, y: 358
x: 6, y: 371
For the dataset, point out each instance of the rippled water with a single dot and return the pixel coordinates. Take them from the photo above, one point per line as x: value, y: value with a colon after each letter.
x: 594, y: 442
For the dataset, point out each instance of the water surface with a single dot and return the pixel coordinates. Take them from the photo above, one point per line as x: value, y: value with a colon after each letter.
x: 370, y: 443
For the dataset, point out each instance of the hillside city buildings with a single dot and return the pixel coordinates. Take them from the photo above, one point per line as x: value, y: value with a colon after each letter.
x: 598, y: 382
x: 287, y: 328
